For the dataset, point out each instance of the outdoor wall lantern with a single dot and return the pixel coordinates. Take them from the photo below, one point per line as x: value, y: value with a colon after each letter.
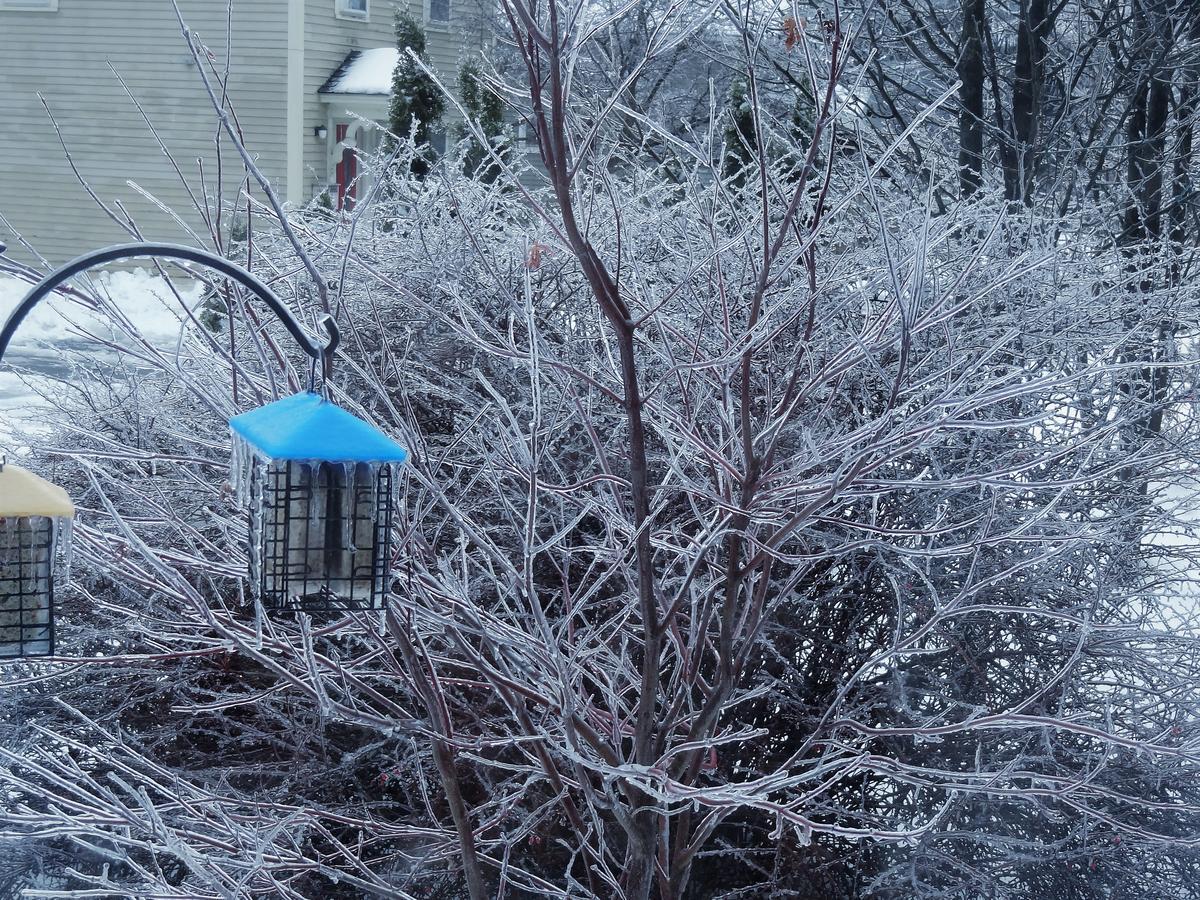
x: 35, y: 541
x: 318, y: 484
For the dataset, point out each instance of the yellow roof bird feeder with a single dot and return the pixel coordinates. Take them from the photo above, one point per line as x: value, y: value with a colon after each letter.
x: 35, y: 541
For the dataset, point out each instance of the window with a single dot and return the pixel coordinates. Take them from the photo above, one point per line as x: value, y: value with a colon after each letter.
x: 437, y: 140
x: 439, y: 10
x: 353, y: 9
x: 30, y: 5
x: 524, y: 144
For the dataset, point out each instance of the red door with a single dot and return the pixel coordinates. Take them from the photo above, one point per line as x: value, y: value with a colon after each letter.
x: 347, y: 172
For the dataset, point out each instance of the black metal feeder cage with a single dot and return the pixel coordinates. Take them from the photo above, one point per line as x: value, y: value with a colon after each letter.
x: 35, y: 540
x: 320, y: 488
x: 319, y: 484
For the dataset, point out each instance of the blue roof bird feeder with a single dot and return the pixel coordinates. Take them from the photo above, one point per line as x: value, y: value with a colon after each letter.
x: 35, y: 542
x: 320, y: 484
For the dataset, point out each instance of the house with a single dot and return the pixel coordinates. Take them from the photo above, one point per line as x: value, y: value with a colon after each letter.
x: 301, y: 76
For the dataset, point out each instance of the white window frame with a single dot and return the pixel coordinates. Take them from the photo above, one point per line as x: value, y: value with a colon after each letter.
x: 343, y: 11
x: 440, y: 136
x: 438, y: 23
x: 526, y: 142
x: 41, y: 6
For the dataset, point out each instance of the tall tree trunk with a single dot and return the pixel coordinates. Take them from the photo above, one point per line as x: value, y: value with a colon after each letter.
x: 1028, y: 88
x: 1146, y: 389
x: 1185, y: 116
x: 1147, y: 127
x: 970, y: 112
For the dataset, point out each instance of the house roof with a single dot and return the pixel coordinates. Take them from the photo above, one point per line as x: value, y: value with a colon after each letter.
x: 363, y: 72
x: 24, y: 494
x: 308, y: 427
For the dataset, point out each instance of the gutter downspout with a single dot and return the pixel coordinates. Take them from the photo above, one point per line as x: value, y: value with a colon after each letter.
x: 294, y: 147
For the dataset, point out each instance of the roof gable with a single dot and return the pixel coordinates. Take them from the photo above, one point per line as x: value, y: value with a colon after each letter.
x: 363, y: 72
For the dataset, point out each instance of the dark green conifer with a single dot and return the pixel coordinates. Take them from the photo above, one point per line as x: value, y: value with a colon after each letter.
x: 485, y: 107
x: 417, y: 103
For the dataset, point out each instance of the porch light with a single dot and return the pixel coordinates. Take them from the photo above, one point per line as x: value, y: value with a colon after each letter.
x: 35, y: 541
x: 320, y: 487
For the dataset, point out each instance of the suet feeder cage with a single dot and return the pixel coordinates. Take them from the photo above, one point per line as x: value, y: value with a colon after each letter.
x: 35, y: 540
x: 320, y: 486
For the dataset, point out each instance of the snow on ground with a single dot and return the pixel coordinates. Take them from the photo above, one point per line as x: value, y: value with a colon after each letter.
x: 138, y: 294
x: 60, y: 323
x: 1178, y: 535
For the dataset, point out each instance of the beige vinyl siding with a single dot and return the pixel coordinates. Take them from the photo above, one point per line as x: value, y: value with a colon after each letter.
x: 449, y: 45
x: 446, y: 45
x: 64, y: 55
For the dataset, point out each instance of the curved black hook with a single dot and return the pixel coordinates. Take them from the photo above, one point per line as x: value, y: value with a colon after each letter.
x: 320, y: 352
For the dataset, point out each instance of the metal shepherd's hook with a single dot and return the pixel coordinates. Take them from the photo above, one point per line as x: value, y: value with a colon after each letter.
x: 321, y: 353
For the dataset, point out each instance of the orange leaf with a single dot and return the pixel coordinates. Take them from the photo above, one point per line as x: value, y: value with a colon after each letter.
x: 791, y: 32
x: 535, y: 254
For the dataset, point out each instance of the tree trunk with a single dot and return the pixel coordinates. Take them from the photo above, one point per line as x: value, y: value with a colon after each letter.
x: 1181, y: 183
x: 970, y: 112
x: 1143, y: 225
x: 1028, y: 87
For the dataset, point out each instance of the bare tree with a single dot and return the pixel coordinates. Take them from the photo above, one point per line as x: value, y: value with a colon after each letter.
x: 764, y: 536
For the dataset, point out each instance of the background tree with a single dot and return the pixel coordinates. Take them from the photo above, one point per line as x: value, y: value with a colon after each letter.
x: 417, y: 102
x: 740, y: 141
x: 483, y: 106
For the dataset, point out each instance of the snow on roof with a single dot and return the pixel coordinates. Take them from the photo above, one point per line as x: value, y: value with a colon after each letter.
x: 364, y: 72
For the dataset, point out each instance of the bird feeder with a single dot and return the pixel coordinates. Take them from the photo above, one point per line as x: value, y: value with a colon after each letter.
x: 35, y: 538
x: 320, y: 486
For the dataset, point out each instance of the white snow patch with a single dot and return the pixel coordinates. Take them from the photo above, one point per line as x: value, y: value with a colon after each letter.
x: 370, y: 72
x: 1178, y: 536
x: 18, y: 411
x: 138, y: 295
x: 1180, y: 500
